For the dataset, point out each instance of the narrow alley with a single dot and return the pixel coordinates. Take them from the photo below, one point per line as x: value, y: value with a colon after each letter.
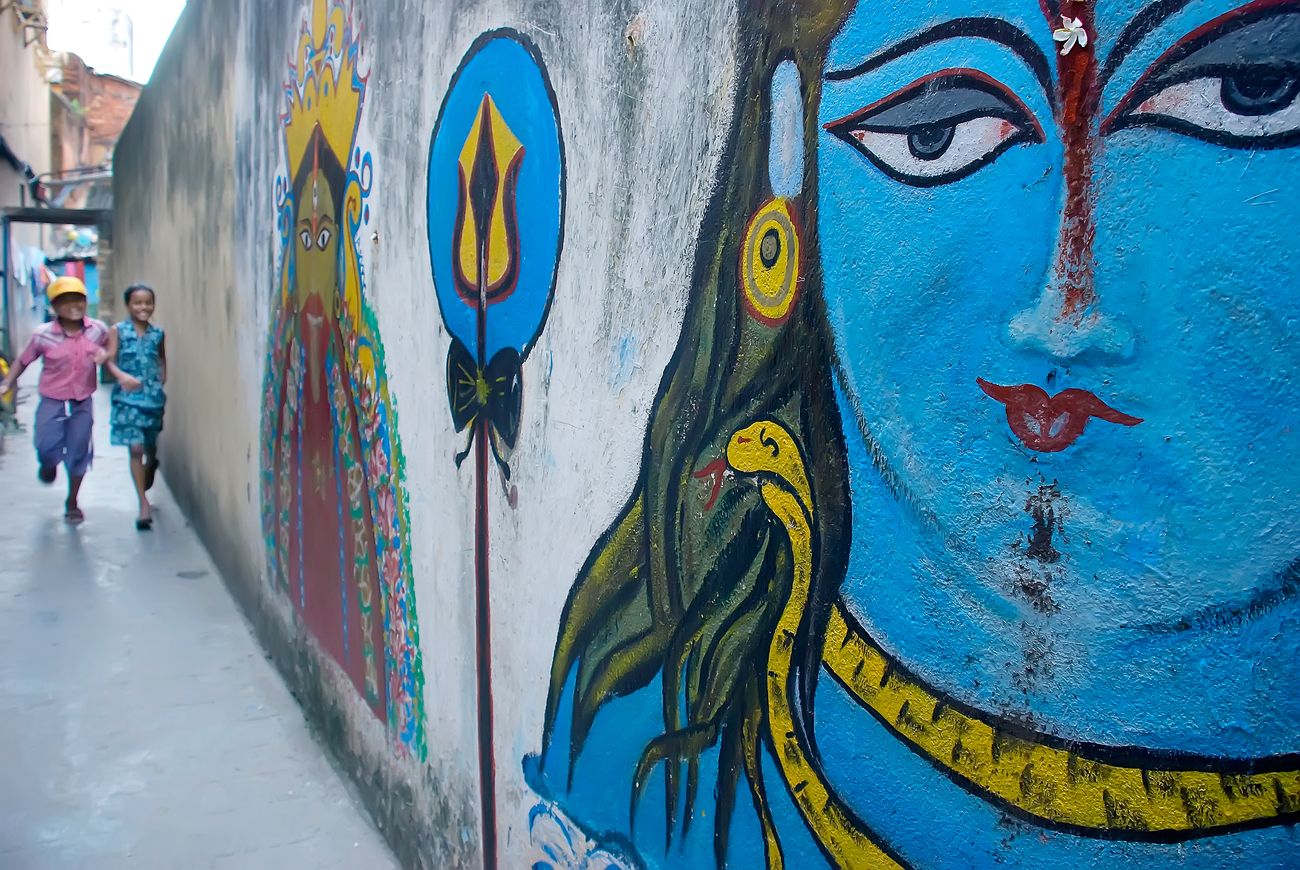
x: 653, y: 434
x: 141, y: 725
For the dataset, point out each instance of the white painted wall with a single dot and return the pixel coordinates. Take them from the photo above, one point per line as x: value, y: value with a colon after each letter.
x: 642, y: 127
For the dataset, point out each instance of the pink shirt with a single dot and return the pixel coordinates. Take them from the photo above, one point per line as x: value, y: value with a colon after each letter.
x: 69, y: 373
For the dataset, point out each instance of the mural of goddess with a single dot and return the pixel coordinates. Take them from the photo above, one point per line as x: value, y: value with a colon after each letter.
x: 334, y: 504
x: 964, y: 532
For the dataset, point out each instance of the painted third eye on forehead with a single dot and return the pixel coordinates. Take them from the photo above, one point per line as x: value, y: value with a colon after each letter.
x: 1233, y: 81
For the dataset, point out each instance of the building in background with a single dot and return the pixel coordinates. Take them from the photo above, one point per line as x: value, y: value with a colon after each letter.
x: 88, y: 110
x: 24, y: 149
x: 59, y: 123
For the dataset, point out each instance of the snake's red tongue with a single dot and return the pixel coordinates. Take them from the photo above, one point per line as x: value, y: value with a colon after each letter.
x: 1051, y: 423
x: 714, y: 472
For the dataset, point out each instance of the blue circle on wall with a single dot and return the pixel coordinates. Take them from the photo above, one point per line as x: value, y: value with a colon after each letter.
x: 496, y: 196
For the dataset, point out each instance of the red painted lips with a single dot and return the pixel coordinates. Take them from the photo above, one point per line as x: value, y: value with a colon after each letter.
x: 1051, y: 423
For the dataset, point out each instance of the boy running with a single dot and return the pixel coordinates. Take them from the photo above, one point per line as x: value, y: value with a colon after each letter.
x: 72, y: 346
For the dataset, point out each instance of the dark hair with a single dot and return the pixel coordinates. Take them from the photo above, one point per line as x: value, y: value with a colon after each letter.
x: 691, y: 593
x: 320, y: 157
x: 126, y: 296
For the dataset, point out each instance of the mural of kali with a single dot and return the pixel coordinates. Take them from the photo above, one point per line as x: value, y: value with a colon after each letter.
x: 964, y: 533
x: 334, y: 506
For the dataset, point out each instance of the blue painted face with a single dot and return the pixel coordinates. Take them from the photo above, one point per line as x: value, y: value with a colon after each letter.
x: 1065, y: 308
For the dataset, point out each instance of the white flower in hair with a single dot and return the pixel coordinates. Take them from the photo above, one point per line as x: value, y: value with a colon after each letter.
x: 1070, y: 33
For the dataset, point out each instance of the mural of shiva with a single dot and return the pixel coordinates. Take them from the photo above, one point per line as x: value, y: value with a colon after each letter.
x: 964, y: 532
x: 333, y: 501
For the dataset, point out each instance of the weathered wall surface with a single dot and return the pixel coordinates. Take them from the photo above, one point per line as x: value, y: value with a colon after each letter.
x: 24, y: 104
x: 25, y: 127
x: 676, y: 434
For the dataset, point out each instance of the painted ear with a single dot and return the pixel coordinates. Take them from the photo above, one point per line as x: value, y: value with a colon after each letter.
x: 785, y: 149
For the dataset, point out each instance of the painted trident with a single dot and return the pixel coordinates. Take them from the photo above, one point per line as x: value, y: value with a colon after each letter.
x: 485, y: 395
x: 496, y: 209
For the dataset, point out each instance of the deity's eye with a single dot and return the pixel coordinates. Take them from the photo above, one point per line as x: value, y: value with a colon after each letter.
x: 940, y: 128
x: 1234, y: 82
x: 305, y: 238
x: 323, y: 238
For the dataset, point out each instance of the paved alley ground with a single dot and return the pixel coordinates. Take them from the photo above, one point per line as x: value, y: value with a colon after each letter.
x: 140, y: 725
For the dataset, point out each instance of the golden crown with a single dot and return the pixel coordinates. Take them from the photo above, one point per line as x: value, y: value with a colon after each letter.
x: 324, y: 88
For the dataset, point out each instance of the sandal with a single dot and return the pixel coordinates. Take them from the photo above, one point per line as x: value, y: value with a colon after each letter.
x: 144, y: 525
x: 74, y: 516
x: 151, y: 471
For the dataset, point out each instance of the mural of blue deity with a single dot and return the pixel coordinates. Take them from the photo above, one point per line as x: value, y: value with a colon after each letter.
x: 965, y: 532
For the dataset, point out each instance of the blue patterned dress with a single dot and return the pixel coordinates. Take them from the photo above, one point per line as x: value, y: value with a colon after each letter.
x: 137, y: 416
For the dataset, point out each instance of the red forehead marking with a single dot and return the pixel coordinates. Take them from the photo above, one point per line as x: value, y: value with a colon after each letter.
x: 315, y: 202
x: 1079, y: 100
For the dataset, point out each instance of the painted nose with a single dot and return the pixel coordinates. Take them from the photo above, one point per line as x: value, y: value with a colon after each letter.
x: 1054, y: 327
x: 1071, y: 320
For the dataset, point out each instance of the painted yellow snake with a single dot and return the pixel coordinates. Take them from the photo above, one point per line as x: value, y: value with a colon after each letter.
x: 1067, y: 787
x: 767, y: 449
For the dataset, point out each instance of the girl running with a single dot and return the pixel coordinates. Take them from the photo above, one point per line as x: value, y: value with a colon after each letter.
x: 139, y: 349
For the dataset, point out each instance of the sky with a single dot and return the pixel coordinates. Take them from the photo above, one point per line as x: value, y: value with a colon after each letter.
x: 120, y: 37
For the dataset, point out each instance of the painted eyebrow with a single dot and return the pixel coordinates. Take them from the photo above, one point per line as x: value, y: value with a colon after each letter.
x: 1136, y: 31
x: 993, y: 29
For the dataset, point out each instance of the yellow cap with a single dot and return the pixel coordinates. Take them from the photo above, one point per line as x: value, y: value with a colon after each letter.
x: 67, y: 285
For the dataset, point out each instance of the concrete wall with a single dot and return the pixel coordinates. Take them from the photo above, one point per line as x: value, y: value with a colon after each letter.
x: 25, y: 126
x: 683, y: 433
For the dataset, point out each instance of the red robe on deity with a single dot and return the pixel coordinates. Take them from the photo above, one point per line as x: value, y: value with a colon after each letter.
x: 325, y: 543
